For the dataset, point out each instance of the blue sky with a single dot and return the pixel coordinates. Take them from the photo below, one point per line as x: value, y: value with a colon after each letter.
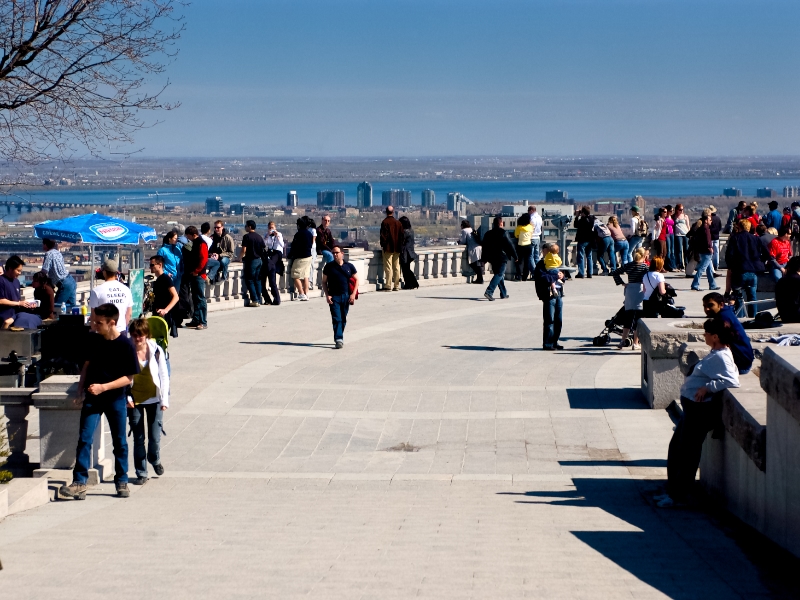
x: 501, y: 77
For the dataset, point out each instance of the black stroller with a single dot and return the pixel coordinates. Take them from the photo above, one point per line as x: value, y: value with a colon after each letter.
x: 663, y: 307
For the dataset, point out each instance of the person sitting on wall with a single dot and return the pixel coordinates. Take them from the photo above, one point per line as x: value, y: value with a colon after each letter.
x: 14, y: 311
x: 44, y: 292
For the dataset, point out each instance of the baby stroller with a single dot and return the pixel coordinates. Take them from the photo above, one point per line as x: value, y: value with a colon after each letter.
x: 613, y: 325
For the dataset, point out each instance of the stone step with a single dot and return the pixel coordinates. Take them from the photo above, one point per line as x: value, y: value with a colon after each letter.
x: 21, y: 494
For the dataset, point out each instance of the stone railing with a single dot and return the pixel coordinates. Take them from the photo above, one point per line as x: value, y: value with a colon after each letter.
x: 752, y: 471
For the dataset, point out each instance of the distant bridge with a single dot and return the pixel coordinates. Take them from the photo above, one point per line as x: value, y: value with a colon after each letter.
x: 25, y: 206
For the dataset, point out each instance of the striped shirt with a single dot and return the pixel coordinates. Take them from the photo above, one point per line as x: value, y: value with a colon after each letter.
x: 54, y: 266
x: 636, y: 272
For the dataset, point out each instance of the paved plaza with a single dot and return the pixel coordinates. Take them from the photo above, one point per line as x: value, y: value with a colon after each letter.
x: 440, y: 454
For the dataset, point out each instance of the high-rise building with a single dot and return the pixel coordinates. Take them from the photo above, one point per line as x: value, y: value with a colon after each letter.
x: 766, y: 193
x: 732, y: 192
x: 556, y: 196
x: 457, y: 203
x: 396, y: 198
x: 291, y: 199
x: 791, y: 191
x: 238, y: 209
x: 214, y: 205
x: 364, y: 195
x: 330, y: 198
x: 428, y: 198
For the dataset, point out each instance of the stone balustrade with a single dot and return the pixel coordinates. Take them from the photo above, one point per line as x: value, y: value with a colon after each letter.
x: 753, y: 470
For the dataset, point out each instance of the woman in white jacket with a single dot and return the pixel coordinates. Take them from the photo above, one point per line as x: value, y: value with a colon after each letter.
x: 701, y: 400
x: 148, y: 399
x: 474, y: 251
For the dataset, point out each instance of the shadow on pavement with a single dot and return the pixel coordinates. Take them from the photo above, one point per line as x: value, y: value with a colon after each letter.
x: 594, y: 398
x: 481, y: 299
x: 647, y: 462
x: 490, y: 349
x: 688, y: 553
x: 291, y: 344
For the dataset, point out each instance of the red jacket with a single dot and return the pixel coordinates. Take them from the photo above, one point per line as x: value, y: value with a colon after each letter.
x: 198, y: 258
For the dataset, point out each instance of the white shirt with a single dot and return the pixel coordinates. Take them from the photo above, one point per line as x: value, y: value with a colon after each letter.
x: 113, y: 292
x: 274, y: 242
x: 651, y: 281
x: 536, y: 221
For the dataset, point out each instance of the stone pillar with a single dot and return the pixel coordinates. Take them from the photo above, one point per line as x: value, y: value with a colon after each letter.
x: 16, y: 404
x: 426, y: 266
x: 59, y: 420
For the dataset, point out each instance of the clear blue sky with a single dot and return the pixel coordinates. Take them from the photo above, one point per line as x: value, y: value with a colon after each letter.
x: 499, y: 77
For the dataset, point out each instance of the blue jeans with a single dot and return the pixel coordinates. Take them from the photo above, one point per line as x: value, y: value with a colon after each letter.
x: 339, y: 309
x: 91, y: 413
x: 634, y: 243
x: 200, y: 314
x: 212, y: 268
x: 704, y: 266
x: 551, y: 321
x: 536, y: 246
x: 252, y: 279
x: 749, y: 287
x: 621, y: 246
x: 585, y: 251
x: 498, y: 280
x: 153, y: 415
x: 224, y: 261
x: 669, y: 258
x: 606, y: 246
x: 776, y: 273
x: 65, y: 291
x: 681, y: 251
x: 327, y: 256
x: 715, y: 259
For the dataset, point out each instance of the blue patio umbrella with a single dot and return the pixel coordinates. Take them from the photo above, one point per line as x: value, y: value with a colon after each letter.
x: 96, y: 230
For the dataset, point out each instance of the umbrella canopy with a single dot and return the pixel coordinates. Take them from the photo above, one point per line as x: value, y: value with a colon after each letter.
x: 94, y: 229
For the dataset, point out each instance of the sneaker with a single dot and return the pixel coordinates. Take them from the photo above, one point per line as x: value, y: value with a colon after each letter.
x: 191, y: 325
x: 549, y: 348
x: 578, y: 276
x: 505, y: 297
x: 303, y: 298
x: 339, y: 344
x: 488, y: 296
x: 588, y: 277
x: 558, y: 347
x: 122, y: 490
x: 158, y: 469
x: 73, y: 490
x: 636, y: 347
x: 715, y: 288
x: 201, y: 327
x: 694, y: 289
x: 138, y: 481
x: 396, y: 289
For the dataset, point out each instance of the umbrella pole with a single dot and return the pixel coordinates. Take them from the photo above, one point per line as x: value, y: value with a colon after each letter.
x: 91, y: 269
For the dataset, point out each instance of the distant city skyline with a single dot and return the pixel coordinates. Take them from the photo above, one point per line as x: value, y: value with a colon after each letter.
x: 620, y: 77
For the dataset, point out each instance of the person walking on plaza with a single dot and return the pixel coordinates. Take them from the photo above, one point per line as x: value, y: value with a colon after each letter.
x: 148, y: 399
x: 536, y: 238
x: 336, y: 286
x: 550, y: 290
x: 497, y: 250
x: 165, y: 296
x: 620, y: 247
x: 392, y: 245
x: 196, y: 273
x: 681, y: 228
x: 474, y: 249
x: 745, y: 257
x: 111, y: 291
x: 63, y: 283
x: 523, y: 234
x: 173, y: 257
x: 715, y: 227
x: 638, y: 232
x: 272, y: 265
x: 251, y: 255
x: 222, y: 248
x: 703, y: 251
x: 408, y: 255
x: 584, y: 238
x: 109, y: 369
x: 300, y: 253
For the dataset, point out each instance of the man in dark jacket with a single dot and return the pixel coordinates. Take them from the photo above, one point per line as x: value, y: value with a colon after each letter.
x: 497, y: 249
x: 703, y: 252
x: 584, y: 238
x: 745, y: 256
x: 392, y: 244
x: 325, y: 240
x: 715, y: 227
x: 551, y: 304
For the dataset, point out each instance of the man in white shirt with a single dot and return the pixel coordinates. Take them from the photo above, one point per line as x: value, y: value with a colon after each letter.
x: 536, y: 237
x: 113, y: 292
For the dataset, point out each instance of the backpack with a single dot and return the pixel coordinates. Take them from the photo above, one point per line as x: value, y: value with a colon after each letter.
x: 476, y: 236
x: 641, y: 227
